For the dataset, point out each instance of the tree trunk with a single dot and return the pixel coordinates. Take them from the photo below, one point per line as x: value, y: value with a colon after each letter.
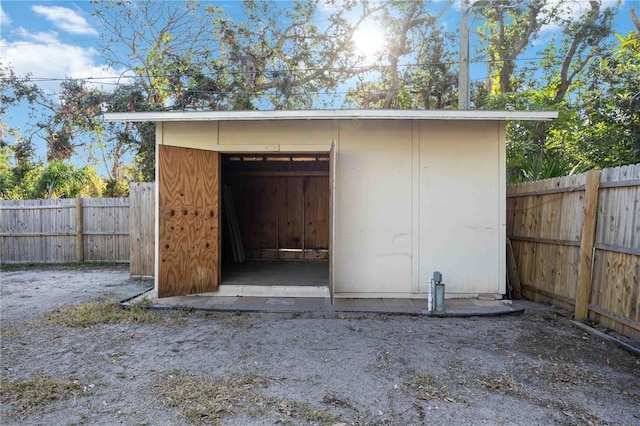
x: 634, y: 19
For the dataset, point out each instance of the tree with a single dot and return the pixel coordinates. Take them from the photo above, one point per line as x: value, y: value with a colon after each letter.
x: 413, y: 34
x: 68, y: 121
x: 17, y: 175
x: 508, y: 29
x: 188, y: 57
x: 16, y: 147
x: 14, y: 91
x: 62, y: 180
x: 160, y: 40
x: 180, y: 55
x: 76, y: 122
x: 510, y: 26
x: 611, y: 133
x: 541, y: 150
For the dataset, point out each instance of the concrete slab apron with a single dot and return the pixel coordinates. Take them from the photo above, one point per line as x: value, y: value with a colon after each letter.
x: 453, y: 307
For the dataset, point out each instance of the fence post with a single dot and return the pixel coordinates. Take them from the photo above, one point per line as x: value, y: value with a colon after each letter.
x: 587, y: 238
x: 79, y: 230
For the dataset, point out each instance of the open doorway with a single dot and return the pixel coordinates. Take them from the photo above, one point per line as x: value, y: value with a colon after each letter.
x: 280, y: 235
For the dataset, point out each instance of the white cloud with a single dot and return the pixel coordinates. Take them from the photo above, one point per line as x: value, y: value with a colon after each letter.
x: 4, y: 18
x: 569, y: 10
x: 39, y: 37
x: 49, y: 61
x: 65, y: 19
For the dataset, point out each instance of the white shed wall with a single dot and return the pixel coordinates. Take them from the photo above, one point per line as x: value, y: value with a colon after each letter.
x: 412, y: 196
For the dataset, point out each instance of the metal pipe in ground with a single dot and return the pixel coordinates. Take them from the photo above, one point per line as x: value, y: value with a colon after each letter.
x: 439, y: 297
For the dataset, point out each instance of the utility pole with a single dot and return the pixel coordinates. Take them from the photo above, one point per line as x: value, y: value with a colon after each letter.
x: 464, y: 88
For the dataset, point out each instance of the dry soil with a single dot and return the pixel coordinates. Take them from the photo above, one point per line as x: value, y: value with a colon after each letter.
x: 264, y: 368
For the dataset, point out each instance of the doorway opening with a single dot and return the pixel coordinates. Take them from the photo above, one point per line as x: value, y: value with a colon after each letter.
x: 275, y: 221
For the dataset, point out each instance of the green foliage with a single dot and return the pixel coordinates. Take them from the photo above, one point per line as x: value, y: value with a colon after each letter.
x: 524, y: 167
x: 297, y: 55
x: 611, y: 133
x: 18, y: 175
x: 103, y: 312
x: 507, y: 31
x: 38, y: 390
x: 27, y: 180
x: 597, y: 123
x: 62, y: 180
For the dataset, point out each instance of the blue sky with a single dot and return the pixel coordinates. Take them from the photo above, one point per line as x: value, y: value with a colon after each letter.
x: 58, y: 39
x: 52, y: 40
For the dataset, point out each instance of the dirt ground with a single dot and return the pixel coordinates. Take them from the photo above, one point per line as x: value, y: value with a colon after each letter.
x: 262, y: 368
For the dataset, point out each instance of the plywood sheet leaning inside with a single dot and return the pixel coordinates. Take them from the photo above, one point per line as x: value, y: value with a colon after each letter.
x: 233, y: 249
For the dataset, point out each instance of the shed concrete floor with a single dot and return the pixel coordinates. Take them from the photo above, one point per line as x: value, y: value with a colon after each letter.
x: 272, y: 273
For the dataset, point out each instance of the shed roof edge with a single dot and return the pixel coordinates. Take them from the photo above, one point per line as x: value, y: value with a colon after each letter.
x: 343, y: 114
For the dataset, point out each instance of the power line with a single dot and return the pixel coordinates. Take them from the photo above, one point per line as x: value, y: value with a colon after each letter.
x: 274, y: 72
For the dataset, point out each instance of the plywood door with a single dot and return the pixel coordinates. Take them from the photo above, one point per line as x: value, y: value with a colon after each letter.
x: 189, y: 240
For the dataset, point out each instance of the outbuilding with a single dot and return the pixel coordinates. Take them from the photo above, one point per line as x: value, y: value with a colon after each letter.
x: 330, y: 203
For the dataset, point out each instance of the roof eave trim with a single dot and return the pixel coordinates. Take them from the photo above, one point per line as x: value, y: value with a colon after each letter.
x: 330, y: 115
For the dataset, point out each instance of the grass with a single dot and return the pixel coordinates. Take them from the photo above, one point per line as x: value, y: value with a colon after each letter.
x: 425, y: 387
x: 40, y: 390
x: 306, y: 412
x: 103, y: 312
x: 7, y: 331
x: 505, y: 384
x: 202, y: 399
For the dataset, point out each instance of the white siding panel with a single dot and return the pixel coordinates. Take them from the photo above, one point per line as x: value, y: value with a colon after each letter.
x: 460, y: 205
x: 373, y: 208
x: 198, y: 135
x: 277, y: 132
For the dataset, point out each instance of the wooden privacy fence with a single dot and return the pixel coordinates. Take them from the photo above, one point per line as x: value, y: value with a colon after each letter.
x: 576, y: 241
x: 81, y: 230
x: 64, y: 230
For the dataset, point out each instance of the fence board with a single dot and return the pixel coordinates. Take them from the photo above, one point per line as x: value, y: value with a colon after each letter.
x: 142, y: 229
x: 541, y: 226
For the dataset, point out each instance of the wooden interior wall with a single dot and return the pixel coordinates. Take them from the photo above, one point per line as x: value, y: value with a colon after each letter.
x: 279, y: 213
x: 290, y: 213
x: 189, y: 218
x: 316, y: 212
